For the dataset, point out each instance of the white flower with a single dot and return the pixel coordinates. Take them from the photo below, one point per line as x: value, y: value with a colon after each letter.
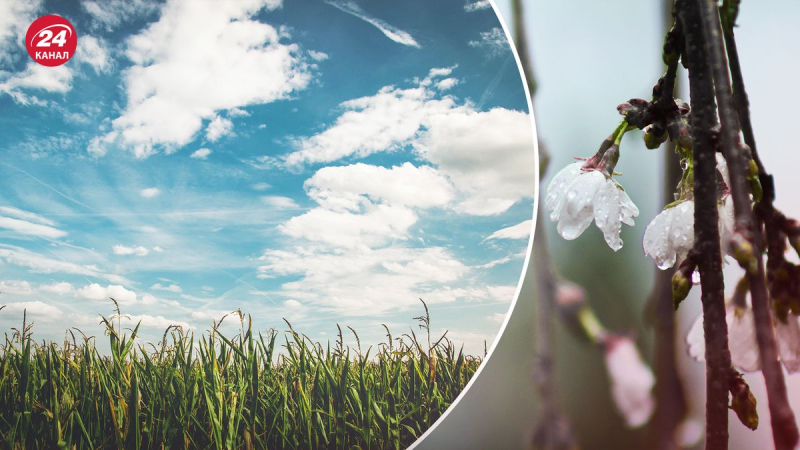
x: 575, y: 197
x: 788, y: 336
x: 742, y: 340
x: 631, y: 381
x: 670, y: 236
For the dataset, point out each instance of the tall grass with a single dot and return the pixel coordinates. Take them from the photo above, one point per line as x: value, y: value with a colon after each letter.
x: 225, y: 392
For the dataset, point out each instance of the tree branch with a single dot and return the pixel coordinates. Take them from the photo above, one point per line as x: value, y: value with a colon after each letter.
x: 669, y: 393
x: 784, y: 429
x: 706, y: 220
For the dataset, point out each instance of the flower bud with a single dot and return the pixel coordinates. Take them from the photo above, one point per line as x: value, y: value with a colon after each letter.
x: 654, y: 136
x: 680, y: 132
x: 742, y: 251
x: 636, y: 112
x: 743, y: 402
x: 681, y: 285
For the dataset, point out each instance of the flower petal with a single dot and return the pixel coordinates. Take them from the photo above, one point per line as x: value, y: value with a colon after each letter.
x: 607, y: 214
x: 742, y: 339
x: 557, y: 187
x: 576, y: 208
x: 788, y: 335
x: 631, y: 381
x: 670, y: 235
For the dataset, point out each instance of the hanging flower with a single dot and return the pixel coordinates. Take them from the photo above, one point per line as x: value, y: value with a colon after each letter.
x: 742, y: 340
x: 578, y: 194
x: 670, y: 235
x: 631, y: 380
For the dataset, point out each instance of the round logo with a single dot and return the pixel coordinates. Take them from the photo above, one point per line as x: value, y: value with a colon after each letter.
x: 51, y: 40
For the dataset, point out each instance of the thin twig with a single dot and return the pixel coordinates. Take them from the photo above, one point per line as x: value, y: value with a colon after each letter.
x: 784, y: 429
x: 706, y: 220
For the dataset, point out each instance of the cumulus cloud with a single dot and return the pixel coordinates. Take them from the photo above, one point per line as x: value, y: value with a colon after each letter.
x: 35, y: 77
x: 28, y: 223
x: 181, y: 79
x: 446, y: 84
x: 97, y: 292
x: 35, y: 309
x: 60, y: 288
x: 393, y: 33
x: 318, y: 56
x: 375, y: 225
x: 487, y: 155
x: 16, y: 287
x: 94, y: 52
x: 150, y: 192
x: 493, y: 42
x: 351, y: 187
x: 218, y: 127
x: 335, y: 280
x: 201, y: 153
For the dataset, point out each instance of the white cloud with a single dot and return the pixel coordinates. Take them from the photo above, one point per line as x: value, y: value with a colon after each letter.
x: 108, y: 14
x: 35, y: 77
x: 169, y: 288
x: 150, y: 192
x: 387, y: 121
x: 62, y: 288
x: 261, y: 186
x: 489, y: 156
x: 318, y: 56
x: 97, y: 292
x: 29, y: 228
x: 36, y: 309
x: 519, y: 231
x: 335, y: 279
x: 377, y: 225
x: 25, y: 215
x: 124, y: 250
x: 41, y: 264
x: 201, y: 153
x: 446, y: 84
x: 477, y: 5
x: 16, y: 287
x: 159, y: 322
x: 393, y: 33
x: 493, y: 42
x: 197, y: 59
x: 277, y: 201
x: 293, y: 303
x: 351, y: 187
x: 94, y: 52
x: 218, y: 127
x: 15, y: 17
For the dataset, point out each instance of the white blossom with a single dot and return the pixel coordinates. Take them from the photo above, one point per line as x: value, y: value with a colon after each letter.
x: 575, y: 197
x: 788, y: 336
x: 670, y: 236
x: 742, y: 340
x: 631, y: 381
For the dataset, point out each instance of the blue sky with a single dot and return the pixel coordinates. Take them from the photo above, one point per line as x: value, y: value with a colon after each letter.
x: 327, y: 162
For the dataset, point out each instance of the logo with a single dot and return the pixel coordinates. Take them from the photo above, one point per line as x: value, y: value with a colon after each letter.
x: 51, y: 40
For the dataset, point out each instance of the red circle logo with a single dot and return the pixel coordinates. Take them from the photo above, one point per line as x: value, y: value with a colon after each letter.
x: 51, y: 40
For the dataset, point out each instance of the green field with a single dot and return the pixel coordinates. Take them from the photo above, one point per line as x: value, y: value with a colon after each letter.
x: 252, y: 390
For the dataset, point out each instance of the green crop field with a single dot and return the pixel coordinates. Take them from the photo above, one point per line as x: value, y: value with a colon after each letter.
x: 253, y: 390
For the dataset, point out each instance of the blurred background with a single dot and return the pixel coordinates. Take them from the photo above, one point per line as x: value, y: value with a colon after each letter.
x: 588, y: 57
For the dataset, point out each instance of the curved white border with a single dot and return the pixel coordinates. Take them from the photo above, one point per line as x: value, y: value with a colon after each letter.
x: 530, y: 239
